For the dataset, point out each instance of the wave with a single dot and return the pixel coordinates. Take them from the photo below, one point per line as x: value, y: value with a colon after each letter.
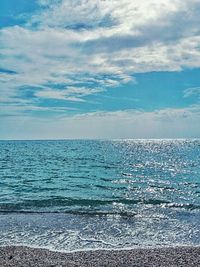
x: 71, y: 212
x: 61, y: 201
x: 90, y: 206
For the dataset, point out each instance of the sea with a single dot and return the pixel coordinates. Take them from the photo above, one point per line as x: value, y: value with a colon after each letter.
x: 71, y: 195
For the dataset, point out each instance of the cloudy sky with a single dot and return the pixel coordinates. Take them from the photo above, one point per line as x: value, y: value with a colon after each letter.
x: 99, y: 69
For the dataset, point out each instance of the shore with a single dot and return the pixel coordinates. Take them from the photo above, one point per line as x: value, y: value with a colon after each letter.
x: 158, y: 257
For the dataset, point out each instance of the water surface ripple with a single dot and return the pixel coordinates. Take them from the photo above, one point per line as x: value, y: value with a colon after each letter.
x: 128, y: 189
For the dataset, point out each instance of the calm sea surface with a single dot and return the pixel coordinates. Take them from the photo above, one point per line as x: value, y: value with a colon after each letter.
x: 70, y: 195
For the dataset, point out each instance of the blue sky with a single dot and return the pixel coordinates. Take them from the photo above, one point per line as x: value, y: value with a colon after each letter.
x: 99, y: 69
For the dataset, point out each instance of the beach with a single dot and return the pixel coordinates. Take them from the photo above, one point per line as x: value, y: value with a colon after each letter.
x: 155, y: 257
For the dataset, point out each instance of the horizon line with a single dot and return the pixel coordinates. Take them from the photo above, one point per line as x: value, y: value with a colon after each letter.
x: 102, y: 139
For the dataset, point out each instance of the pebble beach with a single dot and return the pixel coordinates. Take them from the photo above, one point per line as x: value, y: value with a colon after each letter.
x: 159, y: 257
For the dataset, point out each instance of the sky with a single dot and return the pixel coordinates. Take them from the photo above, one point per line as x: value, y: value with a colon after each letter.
x: 99, y: 69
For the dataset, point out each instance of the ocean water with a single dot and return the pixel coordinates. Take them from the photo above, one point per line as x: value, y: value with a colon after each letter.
x: 91, y: 194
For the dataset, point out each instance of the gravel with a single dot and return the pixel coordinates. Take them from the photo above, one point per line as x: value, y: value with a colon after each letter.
x: 157, y: 257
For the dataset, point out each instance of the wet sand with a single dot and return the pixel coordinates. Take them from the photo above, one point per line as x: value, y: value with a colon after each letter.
x: 32, y: 257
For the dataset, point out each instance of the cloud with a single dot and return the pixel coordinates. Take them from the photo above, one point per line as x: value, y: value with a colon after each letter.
x: 127, y: 14
x: 94, y: 45
x: 165, y: 123
x: 195, y: 91
x: 68, y: 94
x: 16, y: 109
x: 47, y: 58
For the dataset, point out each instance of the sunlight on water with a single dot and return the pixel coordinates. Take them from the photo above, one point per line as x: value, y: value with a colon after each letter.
x: 92, y: 194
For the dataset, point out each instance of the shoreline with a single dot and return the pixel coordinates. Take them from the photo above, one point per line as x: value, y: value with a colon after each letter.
x: 90, y: 250
x: 23, y: 256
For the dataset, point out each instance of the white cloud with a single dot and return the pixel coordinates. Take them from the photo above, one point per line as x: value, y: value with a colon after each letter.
x: 92, y: 44
x: 67, y: 94
x: 195, y: 91
x: 127, y: 14
x: 16, y: 108
x: 166, y: 123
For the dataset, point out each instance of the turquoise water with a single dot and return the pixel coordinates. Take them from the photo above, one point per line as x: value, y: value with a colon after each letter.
x: 79, y: 194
